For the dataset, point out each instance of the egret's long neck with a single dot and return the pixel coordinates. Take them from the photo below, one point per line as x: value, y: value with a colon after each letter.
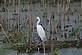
x: 38, y: 21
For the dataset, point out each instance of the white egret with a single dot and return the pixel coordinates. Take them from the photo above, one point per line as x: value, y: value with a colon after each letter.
x: 41, y: 32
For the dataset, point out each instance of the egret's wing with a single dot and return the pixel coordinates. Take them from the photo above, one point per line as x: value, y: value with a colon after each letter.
x: 41, y: 32
x: 44, y: 28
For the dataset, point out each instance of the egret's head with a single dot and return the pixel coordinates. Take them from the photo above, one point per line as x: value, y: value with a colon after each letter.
x: 38, y: 18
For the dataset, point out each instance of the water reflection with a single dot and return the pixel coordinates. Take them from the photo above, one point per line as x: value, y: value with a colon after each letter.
x: 69, y: 51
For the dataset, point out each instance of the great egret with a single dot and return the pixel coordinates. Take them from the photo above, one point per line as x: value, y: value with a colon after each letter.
x: 41, y: 32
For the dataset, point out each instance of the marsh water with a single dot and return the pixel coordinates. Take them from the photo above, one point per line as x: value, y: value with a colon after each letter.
x: 64, y: 51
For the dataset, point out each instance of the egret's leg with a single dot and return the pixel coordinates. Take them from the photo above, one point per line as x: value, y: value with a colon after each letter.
x: 44, y: 48
x: 38, y: 51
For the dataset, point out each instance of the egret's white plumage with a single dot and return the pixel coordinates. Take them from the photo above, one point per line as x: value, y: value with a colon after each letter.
x: 41, y: 33
x: 40, y: 30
